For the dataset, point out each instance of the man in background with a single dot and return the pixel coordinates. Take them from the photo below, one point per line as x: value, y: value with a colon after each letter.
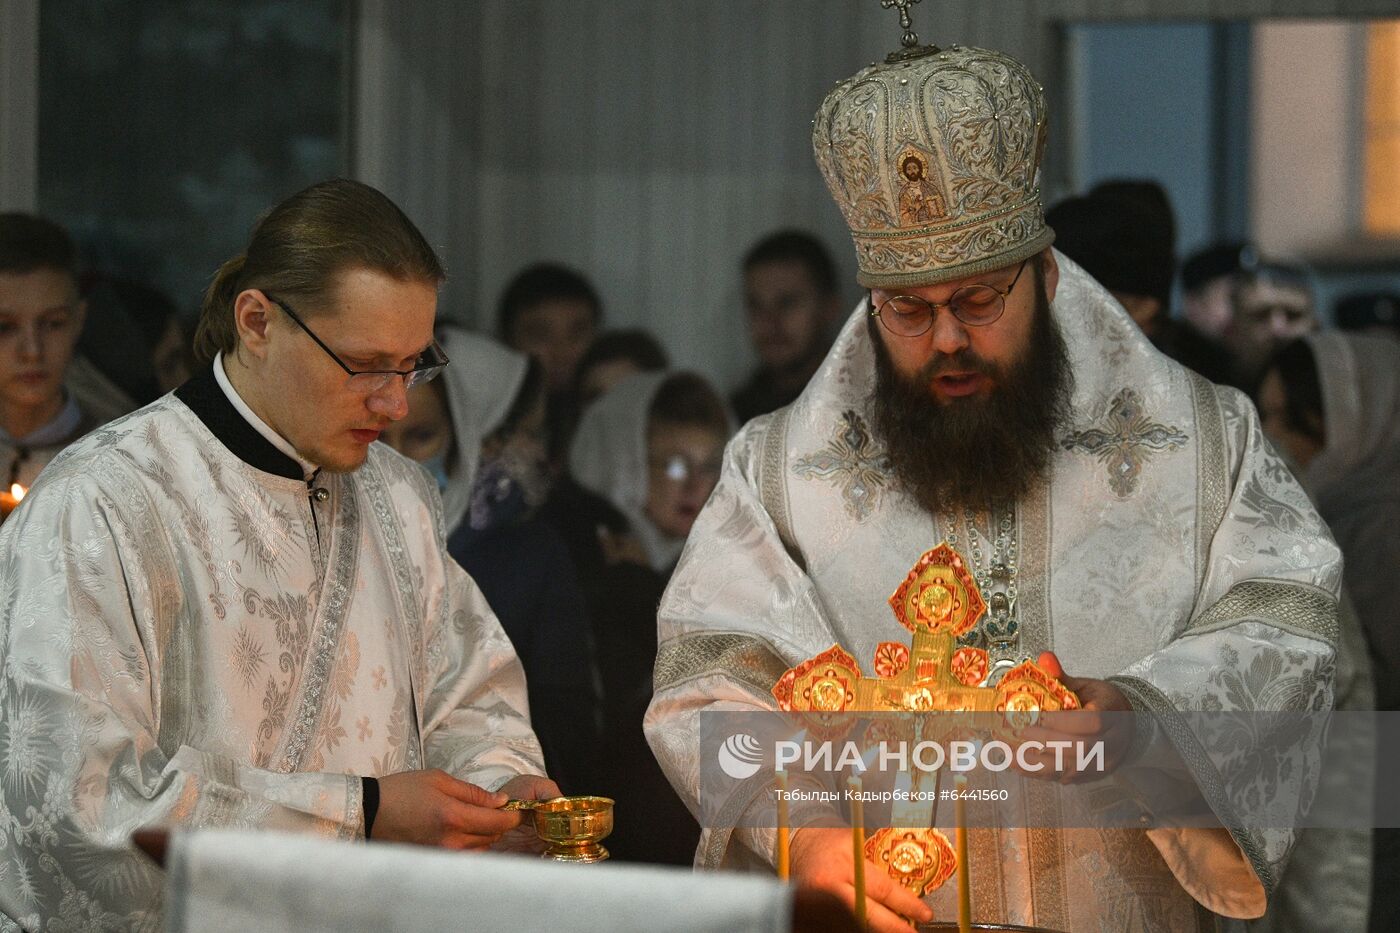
x: 1123, y: 234
x: 1274, y: 306
x: 1208, y: 285
x: 41, y: 316
x: 791, y: 303
x: 552, y: 313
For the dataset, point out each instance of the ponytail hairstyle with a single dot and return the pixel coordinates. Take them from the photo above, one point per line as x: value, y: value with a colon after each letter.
x: 299, y: 248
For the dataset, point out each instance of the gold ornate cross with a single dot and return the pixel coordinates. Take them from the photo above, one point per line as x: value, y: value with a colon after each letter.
x: 938, y: 602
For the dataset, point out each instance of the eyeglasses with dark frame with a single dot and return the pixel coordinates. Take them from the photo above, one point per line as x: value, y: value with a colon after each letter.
x: 974, y: 305
x: 430, y: 362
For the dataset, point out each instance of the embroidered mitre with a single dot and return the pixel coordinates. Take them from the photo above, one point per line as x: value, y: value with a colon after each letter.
x: 934, y: 158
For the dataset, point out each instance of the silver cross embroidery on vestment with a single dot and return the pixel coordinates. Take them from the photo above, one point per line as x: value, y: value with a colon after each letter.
x: 1124, y: 440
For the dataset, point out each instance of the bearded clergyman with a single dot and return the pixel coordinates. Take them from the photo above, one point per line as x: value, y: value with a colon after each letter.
x: 233, y: 609
x: 1125, y: 519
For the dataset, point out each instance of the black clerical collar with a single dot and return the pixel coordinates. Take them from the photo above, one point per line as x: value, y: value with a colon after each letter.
x: 207, y: 400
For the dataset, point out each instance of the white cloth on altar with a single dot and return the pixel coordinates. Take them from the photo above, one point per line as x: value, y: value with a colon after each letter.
x: 1172, y: 550
x: 225, y: 880
x: 190, y: 640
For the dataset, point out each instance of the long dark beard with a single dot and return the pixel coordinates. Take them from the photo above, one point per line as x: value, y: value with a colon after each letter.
x: 970, y: 452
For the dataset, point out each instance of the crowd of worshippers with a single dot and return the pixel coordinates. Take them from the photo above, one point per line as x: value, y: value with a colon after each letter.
x: 573, y: 459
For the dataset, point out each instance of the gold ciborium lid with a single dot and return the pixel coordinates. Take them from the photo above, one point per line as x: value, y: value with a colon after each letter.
x: 573, y: 827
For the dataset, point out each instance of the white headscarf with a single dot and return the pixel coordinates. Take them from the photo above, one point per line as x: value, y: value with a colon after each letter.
x: 609, y: 457
x: 1360, y: 381
x: 481, y: 383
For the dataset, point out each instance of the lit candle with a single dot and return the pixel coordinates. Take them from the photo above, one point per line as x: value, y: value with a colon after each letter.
x: 9, y: 501
x: 782, y: 844
x: 960, y: 843
x: 858, y: 845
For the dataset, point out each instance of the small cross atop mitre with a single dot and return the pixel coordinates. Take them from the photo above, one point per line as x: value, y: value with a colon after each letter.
x: 908, y: 40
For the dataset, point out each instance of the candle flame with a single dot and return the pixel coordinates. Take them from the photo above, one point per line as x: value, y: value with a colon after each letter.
x: 17, y: 491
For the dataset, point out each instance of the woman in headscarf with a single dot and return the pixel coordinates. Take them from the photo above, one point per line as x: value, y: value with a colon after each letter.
x: 480, y: 432
x: 651, y: 445
x: 1332, y: 402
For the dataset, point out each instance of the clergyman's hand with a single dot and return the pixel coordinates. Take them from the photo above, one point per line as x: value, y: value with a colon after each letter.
x: 433, y: 808
x: 524, y: 839
x: 823, y: 857
x: 530, y: 787
x: 1086, y: 725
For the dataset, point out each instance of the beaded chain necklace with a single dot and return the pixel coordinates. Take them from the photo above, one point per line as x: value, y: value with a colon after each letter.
x: 998, y: 632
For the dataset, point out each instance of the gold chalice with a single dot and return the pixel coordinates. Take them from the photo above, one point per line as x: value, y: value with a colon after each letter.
x: 572, y: 826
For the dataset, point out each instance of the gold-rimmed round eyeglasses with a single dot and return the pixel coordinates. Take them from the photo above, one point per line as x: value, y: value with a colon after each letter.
x: 974, y: 305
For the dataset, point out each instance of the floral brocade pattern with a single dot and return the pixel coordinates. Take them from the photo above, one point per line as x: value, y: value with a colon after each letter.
x: 934, y: 164
x: 182, y: 644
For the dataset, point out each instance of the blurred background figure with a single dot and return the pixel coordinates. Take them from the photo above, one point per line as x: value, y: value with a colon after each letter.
x: 615, y: 355
x: 41, y: 316
x: 480, y: 431
x: 1123, y: 234
x: 552, y: 313
x: 1127, y: 247
x: 652, y: 446
x: 134, y: 336
x: 1273, y: 306
x: 792, y: 307
x: 1375, y: 313
x: 1208, y: 286
x: 1331, y: 402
